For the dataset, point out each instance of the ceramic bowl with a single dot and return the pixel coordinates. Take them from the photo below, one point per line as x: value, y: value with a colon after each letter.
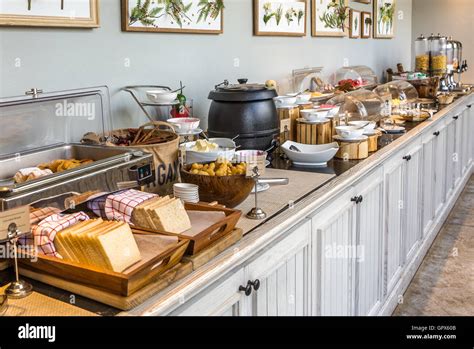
x: 314, y: 114
x: 284, y: 101
x: 350, y: 132
x: 316, y: 155
x: 184, y: 124
x: 162, y: 96
x: 226, y: 149
x: 368, y: 126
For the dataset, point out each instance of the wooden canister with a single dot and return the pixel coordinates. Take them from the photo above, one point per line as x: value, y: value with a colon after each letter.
x: 288, y: 116
x: 373, y: 142
x: 352, y: 150
x: 313, y: 133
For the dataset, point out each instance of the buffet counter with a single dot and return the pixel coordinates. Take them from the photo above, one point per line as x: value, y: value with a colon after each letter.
x: 349, y: 244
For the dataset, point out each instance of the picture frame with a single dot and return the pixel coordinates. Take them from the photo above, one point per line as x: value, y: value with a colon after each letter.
x: 319, y: 10
x: 194, y: 17
x: 384, y: 19
x: 354, y: 24
x: 44, y: 13
x: 280, y: 18
x: 366, y: 27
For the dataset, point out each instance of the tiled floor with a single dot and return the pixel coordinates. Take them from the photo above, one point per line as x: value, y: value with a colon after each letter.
x: 444, y: 284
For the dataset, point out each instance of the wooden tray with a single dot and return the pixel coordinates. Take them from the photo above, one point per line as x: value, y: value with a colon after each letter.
x: 209, y: 235
x: 125, y: 284
x: 157, y: 284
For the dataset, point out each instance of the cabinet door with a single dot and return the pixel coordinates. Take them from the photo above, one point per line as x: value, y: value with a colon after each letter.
x: 465, y: 158
x: 458, y: 150
x: 284, y: 274
x: 223, y: 299
x: 394, y: 207
x: 440, y: 169
x: 333, y: 240
x: 428, y: 180
x: 470, y: 118
x: 412, y: 204
x: 369, y: 237
x: 452, y: 156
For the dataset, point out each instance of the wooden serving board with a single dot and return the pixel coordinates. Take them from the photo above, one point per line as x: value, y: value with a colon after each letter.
x: 211, y: 224
x: 130, y: 281
x: 157, y: 283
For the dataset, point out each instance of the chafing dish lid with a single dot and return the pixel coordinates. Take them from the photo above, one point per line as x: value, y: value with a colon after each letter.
x: 38, y: 120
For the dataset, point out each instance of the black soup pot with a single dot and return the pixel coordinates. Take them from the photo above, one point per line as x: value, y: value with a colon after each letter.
x: 244, y: 110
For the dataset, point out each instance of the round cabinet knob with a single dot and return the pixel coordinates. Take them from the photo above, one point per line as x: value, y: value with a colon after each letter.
x: 456, y: 117
x: 246, y: 289
x: 355, y: 199
x: 360, y: 199
x: 436, y: 133
x: 407, y: 158
x: 256, y: 284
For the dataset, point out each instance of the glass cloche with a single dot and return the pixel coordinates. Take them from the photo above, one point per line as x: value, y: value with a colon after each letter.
x: 357, y: 76
x: 359, y: 105
x: 399, y: 92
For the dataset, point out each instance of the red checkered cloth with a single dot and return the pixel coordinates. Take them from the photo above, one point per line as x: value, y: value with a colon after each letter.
x: 119, y: 206
x: 35, y: 217
x: 45, y: 231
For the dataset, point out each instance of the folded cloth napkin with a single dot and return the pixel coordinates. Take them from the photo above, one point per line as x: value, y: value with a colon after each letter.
x: 45, y: 231
x: 119, y: 206
x: 36, y: 216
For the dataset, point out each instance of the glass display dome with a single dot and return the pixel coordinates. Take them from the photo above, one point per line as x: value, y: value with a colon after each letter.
x: 359, y: 105
x: 355, y: 77
x: 399, y: 92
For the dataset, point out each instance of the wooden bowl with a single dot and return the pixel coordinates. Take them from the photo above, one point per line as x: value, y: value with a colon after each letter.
x: 228, y: 190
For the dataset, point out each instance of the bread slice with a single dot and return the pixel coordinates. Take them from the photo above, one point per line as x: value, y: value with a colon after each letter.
x: 119, y: 248
x: 171, y: 217
x: 140, y: 215
x: 66, y: 246
x: 97, y: 259
x: 71, y: 239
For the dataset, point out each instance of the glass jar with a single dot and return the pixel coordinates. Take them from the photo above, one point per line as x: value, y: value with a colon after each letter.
x: 439, y: 57
x: 422, y: 54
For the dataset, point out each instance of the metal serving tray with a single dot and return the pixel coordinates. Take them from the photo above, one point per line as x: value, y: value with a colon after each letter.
x: 43, y: 127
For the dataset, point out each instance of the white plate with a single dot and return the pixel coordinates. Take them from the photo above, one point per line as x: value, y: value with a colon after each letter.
x: 190, y: 132
x: 309, y: 164
x: 261, y: 188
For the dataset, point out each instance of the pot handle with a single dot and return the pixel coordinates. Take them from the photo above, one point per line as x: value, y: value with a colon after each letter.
x: 274, y: 181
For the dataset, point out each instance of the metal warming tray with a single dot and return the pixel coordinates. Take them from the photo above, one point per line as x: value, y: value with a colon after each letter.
x: 48, y: 127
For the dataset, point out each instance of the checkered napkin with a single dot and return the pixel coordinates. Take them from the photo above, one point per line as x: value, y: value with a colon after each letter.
x: 119, y: 206
x: 45, y: 231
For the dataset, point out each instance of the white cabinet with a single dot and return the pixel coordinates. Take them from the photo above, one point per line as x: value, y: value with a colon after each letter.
x: 333, y: 237
x: 452, y: 155
x: 440, y: 162
x: 282, y: 274
x: 222, y: 299
x: 348, y: 251
x: 428, y: 182
x: 413, y: 232
x: 369, y: 242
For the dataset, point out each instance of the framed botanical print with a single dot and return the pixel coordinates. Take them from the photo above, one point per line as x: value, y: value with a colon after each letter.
x: 366, y: 25
x: 384, y: 19
x: 354, y: 24
x: 280, y: 17
x: 47, y: 13
x: 173, y: 16
x: 329, y: 17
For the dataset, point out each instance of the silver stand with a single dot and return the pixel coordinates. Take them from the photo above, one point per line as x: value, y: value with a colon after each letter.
x: 256, y: 213
x: 19, y: 288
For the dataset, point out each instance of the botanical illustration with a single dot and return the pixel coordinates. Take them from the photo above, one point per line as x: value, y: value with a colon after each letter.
x: 384, y: 11
x: 174, y: 15
x: 330, y: 17
x: 366, y: 23
x: 50, y: 13
x: 355, y: 19
x: 280, y: 17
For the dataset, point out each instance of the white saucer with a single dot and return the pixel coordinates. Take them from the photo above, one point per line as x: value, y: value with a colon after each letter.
x: 309, y: 164
x: 190, y: 132
x: 357, y: 139
x: 322, y: 121
x: 394, y: 129
x: 261, y: 188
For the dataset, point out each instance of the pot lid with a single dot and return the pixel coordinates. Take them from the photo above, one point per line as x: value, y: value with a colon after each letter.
x: 241, y: 92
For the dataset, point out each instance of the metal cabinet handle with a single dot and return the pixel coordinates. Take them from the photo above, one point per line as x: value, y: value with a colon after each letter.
x: 246, y: 289
x: 469, y: 106
x: 407, y: 158
x: 437, y: 133
x: 255, y: 284
x: 357, y: 199
x: 456, y: 117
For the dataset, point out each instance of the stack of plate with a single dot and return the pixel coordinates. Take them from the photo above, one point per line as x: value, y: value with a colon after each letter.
x: 186, y: 192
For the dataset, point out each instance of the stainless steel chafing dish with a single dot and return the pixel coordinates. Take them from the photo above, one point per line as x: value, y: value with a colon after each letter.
x: 41, y: 128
